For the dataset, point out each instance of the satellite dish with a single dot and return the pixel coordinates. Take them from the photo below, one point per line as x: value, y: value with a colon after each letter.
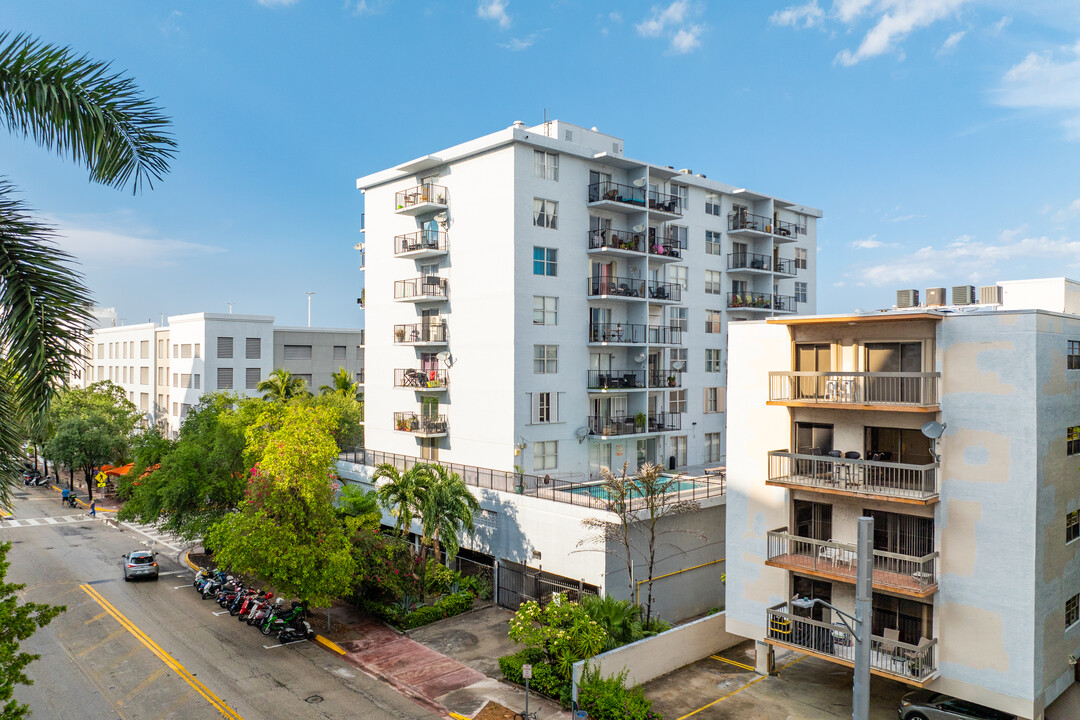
x: 358, y: 246
x: 933, y: 429
x: 678, y: 365
x: 640, y: 182
x: 640, y: 357
x: 443, y: 356
x: 639, y: 228
x: 581, y: 433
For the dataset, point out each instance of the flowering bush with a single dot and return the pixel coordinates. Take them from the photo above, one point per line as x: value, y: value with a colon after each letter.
x: 562, y: 630
x: 609, y: 699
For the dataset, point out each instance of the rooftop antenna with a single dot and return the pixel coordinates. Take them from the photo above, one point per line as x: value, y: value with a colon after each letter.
x: 309, y: 294
x: 230, y: 307
x: 162, y: 319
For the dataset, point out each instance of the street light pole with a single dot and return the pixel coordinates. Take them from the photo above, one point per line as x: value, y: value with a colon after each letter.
x: 309, y: 308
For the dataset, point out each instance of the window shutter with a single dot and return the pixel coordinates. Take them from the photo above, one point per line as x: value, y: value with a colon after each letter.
x: 535, y: 407
x: 251, y: 378
x: 297, y: 352
x: 224, y: 378
x: 253, y: 349
x: 306, y: 378
x: 225, y: 348
x: 554, y: 407
x: 339, y: 353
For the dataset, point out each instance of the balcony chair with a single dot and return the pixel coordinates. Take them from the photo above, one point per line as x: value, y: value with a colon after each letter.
x: 629, y: 380
x: 612, y: 194
x: 415, y: 378
x: 851, y: 479
x: 889, y: 649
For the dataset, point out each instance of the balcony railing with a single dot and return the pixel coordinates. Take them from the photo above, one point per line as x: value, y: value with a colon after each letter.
x: 898, y: 389
x: 892, y: 571
x: 665, y: 247
x: 665, y: 202
x: 853, y: 475
x: 429, y: 332
x: 420, y: 240
x: 616, y: 379
x: 786, y: 303
x: 664, y: 335
x: 761, y: 223
x: 786, y: 266
x: 659, y: 290
x: 420, y: 195
x: 750, y: 300
x: 606, y: 425
x: 617, y: 333
x: 420, y: 424
x: 421, y: 379
x: 748, y: 261
x: 910, y: 662
x: 668, y: 378
x: 617, y: 192
x: 787, y: 229
x: 430, y: 287
x: 616, y: 240
x: 619, y: 286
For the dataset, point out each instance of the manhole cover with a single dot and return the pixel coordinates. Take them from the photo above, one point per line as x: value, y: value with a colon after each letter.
x: 314, y: 699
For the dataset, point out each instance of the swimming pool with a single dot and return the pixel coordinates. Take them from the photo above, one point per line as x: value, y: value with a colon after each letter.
x: 598, y: 491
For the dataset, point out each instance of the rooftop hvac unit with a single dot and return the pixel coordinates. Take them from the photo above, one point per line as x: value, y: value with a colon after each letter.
x: 907, y: 298
x: 935, y: 296
x: 990, y: 295
x: 963, y: 295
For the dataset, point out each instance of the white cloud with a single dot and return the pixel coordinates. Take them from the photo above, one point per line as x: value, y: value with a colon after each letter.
x: 869, y: 243
x: 517, y: 44
x: 686, y: 39
x: 494, y: 10
x: 806, y: 16
x: 1068, y: 212
x: 849, y: 10
x: 125, y: 248
x: 1041, y: 81
x: 952, y: 41
x: 1000, y: 25
x: 662, y: 17
x: 615, y: 16
x: 674, y: 22
x: 897, y: 19
x: 276, y: 3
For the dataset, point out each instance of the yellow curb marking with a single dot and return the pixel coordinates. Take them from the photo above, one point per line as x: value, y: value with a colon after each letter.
x: 190, y: 564
x: 329, y: 644
x: 733, y: 692
x: 164, y: 656
x: 458, y: 717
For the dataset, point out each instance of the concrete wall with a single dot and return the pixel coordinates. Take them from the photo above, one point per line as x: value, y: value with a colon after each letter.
x: 653, y: 657
x: 322, y: 364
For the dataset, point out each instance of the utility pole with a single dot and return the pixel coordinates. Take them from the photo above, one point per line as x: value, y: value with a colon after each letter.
x: 230, y: 307
x: 864, y: 590
x: 309, y: 294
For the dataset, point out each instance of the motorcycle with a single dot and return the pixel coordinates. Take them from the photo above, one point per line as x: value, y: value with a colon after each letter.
x: 41, y: 481
x: 298, y: 629
x: 206, y: 578
x: 281, y: 619
x: 229, y: 592
x: 243, y: 602
x: 200, y: 577
x: 211, y: 588
x: 263, y: 612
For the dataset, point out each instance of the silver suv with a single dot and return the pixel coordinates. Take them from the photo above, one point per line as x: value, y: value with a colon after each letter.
x: 926, y: 705
x: 140, y: 564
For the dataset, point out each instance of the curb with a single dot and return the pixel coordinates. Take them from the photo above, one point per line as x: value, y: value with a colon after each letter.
x: 188, y: 562
x: 457, y: 716
x: 329, y: 644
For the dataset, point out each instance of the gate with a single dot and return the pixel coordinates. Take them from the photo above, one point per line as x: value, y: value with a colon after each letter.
x: 520, y: 583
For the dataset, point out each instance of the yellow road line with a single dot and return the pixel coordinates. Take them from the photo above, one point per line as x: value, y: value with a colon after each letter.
x: 96, y: 618
x: 734, y: 692
x: 147, y: 682
x: 330, y: 644
x: 732, y: 662
x: 164, y: 656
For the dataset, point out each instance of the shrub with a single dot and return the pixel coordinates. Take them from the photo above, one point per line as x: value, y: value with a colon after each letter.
x: 609, y: 699
x: 479, y: 586
x: 448, y: 606
x: 544, y: 680
x: 438, y: 579
x: 561, y: 629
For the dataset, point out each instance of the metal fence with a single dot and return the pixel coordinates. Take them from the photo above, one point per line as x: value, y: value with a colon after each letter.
x: 870, y: 477
x: 915, y: 389
x: 520, y: 583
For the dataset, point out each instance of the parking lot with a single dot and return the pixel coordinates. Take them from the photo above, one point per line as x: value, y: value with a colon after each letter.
x: 725, y: 687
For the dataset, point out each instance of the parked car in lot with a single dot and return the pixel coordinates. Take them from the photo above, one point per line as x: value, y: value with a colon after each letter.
x: 140, y: 564
x: 926, y: 705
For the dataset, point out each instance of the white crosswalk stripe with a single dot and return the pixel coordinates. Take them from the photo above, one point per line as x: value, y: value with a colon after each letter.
x: 149, y: 531
x: 42, y: 521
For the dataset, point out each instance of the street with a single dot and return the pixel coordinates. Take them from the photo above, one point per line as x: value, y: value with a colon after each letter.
x: 156, y: 650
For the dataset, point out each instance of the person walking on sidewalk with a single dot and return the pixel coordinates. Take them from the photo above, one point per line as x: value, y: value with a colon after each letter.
x: 93, y: 508
x: 64, y: 496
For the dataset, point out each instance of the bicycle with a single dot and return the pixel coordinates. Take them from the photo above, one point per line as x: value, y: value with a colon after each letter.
x: 526, y: 715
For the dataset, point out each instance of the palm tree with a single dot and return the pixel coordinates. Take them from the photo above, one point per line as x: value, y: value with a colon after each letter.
x: 448, y: 509
x: 404, y: 494
x: 282, y: 386
x: 343, y: 384
x: 77, y: 107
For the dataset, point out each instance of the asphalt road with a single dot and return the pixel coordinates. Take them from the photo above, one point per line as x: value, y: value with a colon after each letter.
x: 155, y: 650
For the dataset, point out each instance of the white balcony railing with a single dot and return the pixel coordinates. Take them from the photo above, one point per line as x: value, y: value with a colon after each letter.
x: 865, y: 477
x: 855, y: 388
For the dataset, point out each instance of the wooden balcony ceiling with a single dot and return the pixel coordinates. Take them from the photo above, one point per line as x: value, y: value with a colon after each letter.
x: 845, y: 572
x: 902, y: 677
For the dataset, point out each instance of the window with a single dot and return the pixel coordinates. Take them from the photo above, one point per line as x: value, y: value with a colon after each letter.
x: 714, y: 400
x: 546, y: 455
x: 251, y: 378
x: 545, y: 407
x: 1072, y: 440
x: 297, y: 352
x: 800, y: 258
x: 713, y: 282
x: 545, y: 359
x: 198, y: 381
x: 185, y: 380
x: 713, y: 245
x: 225, y: 348
x: 545, y: 261
x: 185, y: 350
x: 677, y: 235
x: 144, y: 349
x: 124, y: 347
x: 1072, y: 610
x: 713, y: 321
x: 339, y: 353
x: 198, y: 349
x: 678, y: 274
x: 545, y: 213
x: 184, y: 409
x: 144, y: 376
x: 100, y: 351
x: 175, y: 350
x: 225, y: 378
x: 677, y: 401
x: 100, y: 373
x: 162, y: 376
x: 306, y: 377
x: 678, y: 449
x: 545, y: 310
x: 1072, y: 526
x: 712, y: 361
x: 712, y: 204
x: 677, y: 318
x: 678, y: 355
x: 1073, y: 359
x: 429, y: 448
x: 683, y: 193
x: 545, y: 165
x: 253, y: 348
x: 800, y: 292
x: 144, y: 401
x: 174, y: 412
x: 713, y: 447
x: 125, y: 374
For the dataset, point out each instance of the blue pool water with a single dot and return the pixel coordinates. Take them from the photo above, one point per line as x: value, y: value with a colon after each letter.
x: 598, y: 491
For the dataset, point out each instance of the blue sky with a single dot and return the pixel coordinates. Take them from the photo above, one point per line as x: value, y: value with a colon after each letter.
x: 940, y: 137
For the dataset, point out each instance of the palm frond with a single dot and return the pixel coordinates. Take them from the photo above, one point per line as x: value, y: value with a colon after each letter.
x: 82, y: 108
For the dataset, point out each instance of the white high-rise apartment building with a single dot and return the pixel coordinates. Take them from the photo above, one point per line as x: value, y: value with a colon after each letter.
x: 957, y: 429
x: 537, y: 298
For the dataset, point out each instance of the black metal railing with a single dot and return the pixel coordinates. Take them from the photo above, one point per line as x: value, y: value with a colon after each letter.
x: 616, y: 240
x: 750, y: 300
x: 420, y: 240
x: 659, y: 290
x: 617, y: 333
x: 616, y: 379
x: 421, y: 379
x: 875, y: 478
x: 419, y: 423
x: 620, y: 286
x: 665, y: 378
x: 664, y: 421
x: 665, y: 247
x: 665, y: 335
x: 429, y: 332
x: 665, y: 202
x: 429, y: 286
x: 785, y: 266
x: 748, y: 261
x: 617, y: 192
x: 913, y: 389
x: 787, y: 303
x: 420, y: 195
x: 626, y: 424
x: 787, y: 229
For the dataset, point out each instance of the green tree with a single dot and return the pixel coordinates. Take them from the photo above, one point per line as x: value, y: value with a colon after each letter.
x: 613, y: 532
x: 349, y: 433
x: 403, y: 493
x: 286, y: 531
x: 447, y: 509
x: 343, y: 384
x: 93, y: 427
x: 282, y: 386
x: 17, y: 623
x: 77, y: 107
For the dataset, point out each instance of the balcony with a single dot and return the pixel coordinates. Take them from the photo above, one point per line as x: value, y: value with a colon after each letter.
x: 616, y: 288
x: 784, y: 266
x: 746, y: 263
x: 785, y: 303
x: 615, y: 425
x: 664, y: 335
x: 660, y: 291
x: 903, y: 392
x: 633, y: 334
x: 621, y: 380
x: 668, y: 379
x: 916, y: 484
x: 894, y: 572
x: 421, y: 200
x: 420, y: 245
x: 430, y: 288
x: 421, y: 380
x: 748, y: 224
x: 420, y: 425
x: 429, y: 333
x: 616, y: 197
x: 912, y: 664
x: 750, y: 301
x: 665, y: 204
x: 616, y: 242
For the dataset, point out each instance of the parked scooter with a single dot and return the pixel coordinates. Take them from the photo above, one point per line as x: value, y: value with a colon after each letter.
x: 298, y: 628
x: 215, y: 576
x: 211, y: 588
x: 282, y: 618
x: 243, y: 601
x: 42, y: 481
x: 228, y: 592
x: 263, y: 612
